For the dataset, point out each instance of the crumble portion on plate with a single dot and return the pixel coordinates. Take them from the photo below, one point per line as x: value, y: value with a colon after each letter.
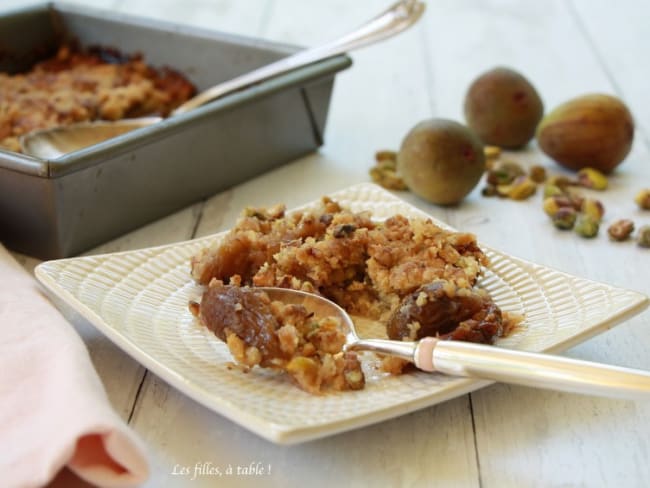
x: 77, y: 86
x: 366, y: 267
x: 417, y: 277
x: 281, y: 336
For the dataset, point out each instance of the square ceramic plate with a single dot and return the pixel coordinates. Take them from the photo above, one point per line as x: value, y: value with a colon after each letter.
x: 139, y: 300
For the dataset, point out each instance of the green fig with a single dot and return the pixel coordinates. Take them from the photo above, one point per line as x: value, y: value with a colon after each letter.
x: 441, y: 161
x: 593, y: 131
x: 503, y: 108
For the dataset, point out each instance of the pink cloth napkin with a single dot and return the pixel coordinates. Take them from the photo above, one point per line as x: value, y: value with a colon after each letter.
x: 54, y: 412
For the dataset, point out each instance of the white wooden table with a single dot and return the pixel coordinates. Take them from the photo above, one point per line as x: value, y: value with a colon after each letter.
x: 500, y: 436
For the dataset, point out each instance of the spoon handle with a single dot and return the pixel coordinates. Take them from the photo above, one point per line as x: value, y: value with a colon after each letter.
x: 531, y: 369
x: 397, y: 18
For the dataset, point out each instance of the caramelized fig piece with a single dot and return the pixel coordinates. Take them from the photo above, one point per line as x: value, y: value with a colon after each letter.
x: 244, y: 312
x: 260, y: 331
x: 440, y: 309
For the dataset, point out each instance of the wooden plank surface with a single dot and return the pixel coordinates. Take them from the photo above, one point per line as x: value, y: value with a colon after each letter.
x: 500, y: 436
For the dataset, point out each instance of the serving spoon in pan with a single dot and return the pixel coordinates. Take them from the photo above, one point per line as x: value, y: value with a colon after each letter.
x: 52, y: 143
x: 480, y: 361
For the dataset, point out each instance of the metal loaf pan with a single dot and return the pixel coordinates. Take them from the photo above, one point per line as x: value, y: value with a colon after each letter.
x: 61, y: 207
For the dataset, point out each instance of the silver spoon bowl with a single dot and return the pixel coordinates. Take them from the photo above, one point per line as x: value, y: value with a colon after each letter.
x: 466, y: 359
x: 52, y: 143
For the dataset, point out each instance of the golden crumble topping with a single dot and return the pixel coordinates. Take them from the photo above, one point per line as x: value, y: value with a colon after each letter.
x: 365, y: 266
x: 75, y: 86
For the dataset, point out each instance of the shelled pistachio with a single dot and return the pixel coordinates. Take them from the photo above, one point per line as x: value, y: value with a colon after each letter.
x: 520, y: 189
x: 643, y: 237
x: 551, y: 190
x: 642, y: 199
x: 621, y: 229
x: 537, y: 173
x: 561, y: 181
x: 592, y: 178
x: 551, y: 206
x: 492, y: 155
x: 565, y: 218
x: 504, y: 172
x: 553, y: 203
x: 587, y: 225
x: 593, y: 208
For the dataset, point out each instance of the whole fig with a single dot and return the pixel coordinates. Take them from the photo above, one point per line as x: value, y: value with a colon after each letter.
x: 589, y: 131
x: 441, y: 161
x: 503, y: 108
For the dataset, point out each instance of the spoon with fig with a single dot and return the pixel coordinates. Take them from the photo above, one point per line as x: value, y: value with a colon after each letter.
x: 443, y: 353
